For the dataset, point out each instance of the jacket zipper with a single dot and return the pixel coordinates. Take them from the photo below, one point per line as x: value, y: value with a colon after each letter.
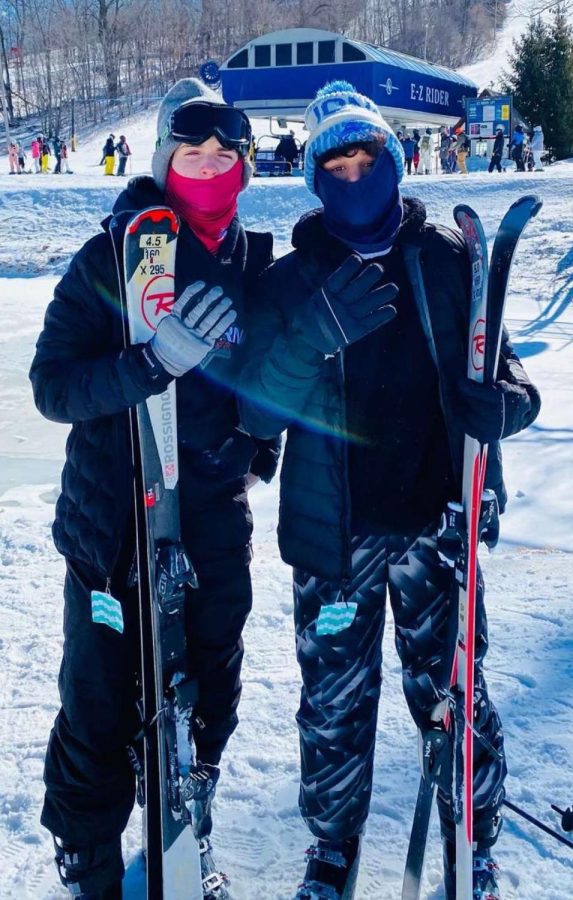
x: 346, y: 580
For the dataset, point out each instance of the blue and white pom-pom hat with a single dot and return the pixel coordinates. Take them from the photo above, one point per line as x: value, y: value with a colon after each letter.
x: 339, y: 115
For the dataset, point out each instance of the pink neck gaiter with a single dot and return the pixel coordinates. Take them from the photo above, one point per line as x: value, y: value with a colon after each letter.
x: 206, y: 204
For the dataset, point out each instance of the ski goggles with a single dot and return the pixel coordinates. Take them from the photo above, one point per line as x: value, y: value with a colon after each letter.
x: 194, y: 122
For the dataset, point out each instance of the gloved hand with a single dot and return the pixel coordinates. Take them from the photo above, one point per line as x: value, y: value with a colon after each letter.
x: 231, y: 459
x: 348, y: 306
x: 480, y: 409
x: 184, y: 338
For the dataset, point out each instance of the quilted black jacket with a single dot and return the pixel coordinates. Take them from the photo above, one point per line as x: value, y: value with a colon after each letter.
x: 82, y: 375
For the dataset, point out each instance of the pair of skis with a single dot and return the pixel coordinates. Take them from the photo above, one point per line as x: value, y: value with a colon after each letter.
x: 178, y: 867
x: 447, y: 750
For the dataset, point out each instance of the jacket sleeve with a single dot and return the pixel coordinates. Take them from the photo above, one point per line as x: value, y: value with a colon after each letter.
x: 522, y: 400
x: 77, y: 373
x: 280, y: 368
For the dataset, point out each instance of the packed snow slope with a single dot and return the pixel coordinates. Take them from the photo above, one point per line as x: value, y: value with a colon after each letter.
x: 488, y: 72
x: 258, y: 832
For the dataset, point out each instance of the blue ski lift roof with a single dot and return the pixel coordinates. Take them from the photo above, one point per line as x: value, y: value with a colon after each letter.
x: 279, y: 73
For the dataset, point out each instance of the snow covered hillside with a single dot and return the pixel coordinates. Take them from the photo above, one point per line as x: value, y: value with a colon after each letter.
x: 529, y: 579
x: 487, y: 72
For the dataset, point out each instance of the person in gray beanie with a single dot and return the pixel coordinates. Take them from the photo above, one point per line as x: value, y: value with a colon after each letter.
x: 359, y: 353
x: 83, y: 376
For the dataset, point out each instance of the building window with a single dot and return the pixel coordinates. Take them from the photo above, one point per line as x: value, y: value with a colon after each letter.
x: 352, y: 54
x: 326, y: 51
x: 262, y: 55
x: 283, y: 55
x: 304, y: 53
x: 239, y: 60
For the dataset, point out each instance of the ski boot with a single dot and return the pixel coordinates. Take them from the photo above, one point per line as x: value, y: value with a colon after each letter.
x: 485, y: 872
x: 197, y: 792
x: 485, y: 877
x: 91, y: 873
x: 331, y: 870
x: 214, y: 882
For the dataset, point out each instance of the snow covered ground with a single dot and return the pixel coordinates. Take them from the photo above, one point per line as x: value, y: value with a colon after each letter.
x: 529, y: 578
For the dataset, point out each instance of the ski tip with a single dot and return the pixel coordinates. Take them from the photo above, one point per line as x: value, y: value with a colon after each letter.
x: 153, y: 214
x: 532, y: 201
x: 462, y: 209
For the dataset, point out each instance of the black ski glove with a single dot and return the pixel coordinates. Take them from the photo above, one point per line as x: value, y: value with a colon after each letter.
x: 480, y: 409
x: 347, y: 307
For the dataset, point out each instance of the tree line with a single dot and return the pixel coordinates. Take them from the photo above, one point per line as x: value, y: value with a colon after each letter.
x: 99, y: 52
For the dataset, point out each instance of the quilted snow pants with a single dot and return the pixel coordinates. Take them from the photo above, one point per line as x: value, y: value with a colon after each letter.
x: 339, y: 649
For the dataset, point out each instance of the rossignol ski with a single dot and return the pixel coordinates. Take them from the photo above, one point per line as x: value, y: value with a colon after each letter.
x: 173, y: 868
x: 449, y: 760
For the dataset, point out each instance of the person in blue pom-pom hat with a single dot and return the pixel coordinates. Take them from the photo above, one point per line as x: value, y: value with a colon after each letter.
x: 359, y: 352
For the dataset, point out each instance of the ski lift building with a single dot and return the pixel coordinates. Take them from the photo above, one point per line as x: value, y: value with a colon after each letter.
x: 278, y: 74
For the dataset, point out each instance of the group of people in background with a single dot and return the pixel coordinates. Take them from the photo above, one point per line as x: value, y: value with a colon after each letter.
x: 453, y: 150
x: 418, y: 150
x: 525, y: 149
x: 109, y: 150
x: 40, y: 153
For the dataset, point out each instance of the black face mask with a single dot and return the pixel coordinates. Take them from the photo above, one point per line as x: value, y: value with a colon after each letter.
x: 365, y: 214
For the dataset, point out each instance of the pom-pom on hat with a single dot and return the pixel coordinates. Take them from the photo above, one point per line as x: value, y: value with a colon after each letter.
x: 183, y: 91
x: 339, y: 116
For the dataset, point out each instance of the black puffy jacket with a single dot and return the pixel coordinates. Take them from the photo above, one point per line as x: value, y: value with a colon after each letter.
x: 287, y: 384
x: 82, y: 375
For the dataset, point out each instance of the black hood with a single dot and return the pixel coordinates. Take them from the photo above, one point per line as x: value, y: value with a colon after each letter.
x: 310, y: 227
x: 140, y: 193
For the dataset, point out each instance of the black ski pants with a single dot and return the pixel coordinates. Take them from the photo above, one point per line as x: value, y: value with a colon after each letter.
x: 495, y: 162
x: 90, y: 784
x: 342, y: 677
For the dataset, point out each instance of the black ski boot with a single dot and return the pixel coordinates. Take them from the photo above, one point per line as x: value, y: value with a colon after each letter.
x: 91, y: 873
x: 485, y: 886
x: 198, y: 791
x: 331, y: 870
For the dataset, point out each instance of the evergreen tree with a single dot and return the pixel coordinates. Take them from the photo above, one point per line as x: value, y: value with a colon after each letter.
x: 560, y: 80
x: 541, y: 81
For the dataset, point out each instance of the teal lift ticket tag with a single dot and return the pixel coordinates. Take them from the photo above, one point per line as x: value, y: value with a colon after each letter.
x: 106, y: 610
x: 336, y: 617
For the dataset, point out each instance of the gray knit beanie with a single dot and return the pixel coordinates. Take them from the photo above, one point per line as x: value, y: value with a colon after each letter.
x: 181, y: 92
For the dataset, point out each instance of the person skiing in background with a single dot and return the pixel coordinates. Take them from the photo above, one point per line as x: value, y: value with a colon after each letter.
x: 340, y: 356
x: 82, y: 375
x: 416, y: 156
x: 497, y: 152
x: 516, y: 147
x: 538, y: 147
x: 45, y: 156
x: 35, y: 148
x: 408, y: 145
x: 123, y: 152
x: 13, y: 157
x: 425, y: 167
x: 109, y: 155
